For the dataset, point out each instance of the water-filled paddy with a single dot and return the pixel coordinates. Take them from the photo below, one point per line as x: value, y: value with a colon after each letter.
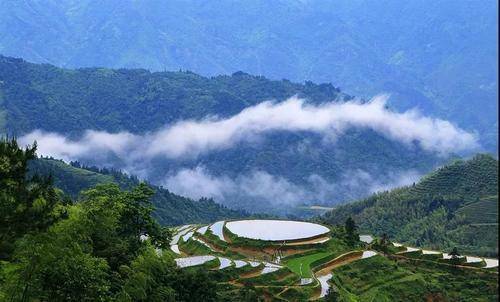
x: 275, y: 230
x: 366, y: 238
x: 368, y: 254
x: 192, y: 261
x: 325, y: 286
x: 216, y: 228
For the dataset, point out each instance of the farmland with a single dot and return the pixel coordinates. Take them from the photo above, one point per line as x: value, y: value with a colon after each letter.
x: 299, y: 268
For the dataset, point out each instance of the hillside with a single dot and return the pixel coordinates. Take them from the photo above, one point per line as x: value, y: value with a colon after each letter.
x: 170, y: 209
x: 308, y: 264
x: 92, y: 250
x: 310, y: 168
x: 457, y: 205
x: 107, y: 246
x: 441, y: 55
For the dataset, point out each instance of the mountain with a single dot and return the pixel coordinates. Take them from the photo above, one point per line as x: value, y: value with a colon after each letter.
x: 107, y: 246
x: 455, y: 206
x: 440, y: 56
x: 277, y: 171
x: 170, y: 209
x: 99, y: 248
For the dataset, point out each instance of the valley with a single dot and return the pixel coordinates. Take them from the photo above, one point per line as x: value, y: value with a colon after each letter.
x: 249, y: 151
x: 146, y: 123
x: 298, y: 269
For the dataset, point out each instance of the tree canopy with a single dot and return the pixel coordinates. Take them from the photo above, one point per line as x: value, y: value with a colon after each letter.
x: 93, y: 250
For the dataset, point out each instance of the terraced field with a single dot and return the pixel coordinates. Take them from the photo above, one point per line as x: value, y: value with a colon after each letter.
x: 483, y: 211
x: 306, y: 270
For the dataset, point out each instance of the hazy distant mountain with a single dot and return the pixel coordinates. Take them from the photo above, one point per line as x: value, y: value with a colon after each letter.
x: 214, y: 137
x: 170, y: 209
x: 438, y: 55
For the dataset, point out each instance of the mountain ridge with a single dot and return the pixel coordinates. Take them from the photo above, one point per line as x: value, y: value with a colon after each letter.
x: 454, y: 206
x: 438, y: 57
x: 170, y: 209
x: 68, y: 102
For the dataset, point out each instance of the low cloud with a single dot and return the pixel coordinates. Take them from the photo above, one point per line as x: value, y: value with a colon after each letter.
x: 274, y: 191
x: 191, y: 138
x: 257, y: 185
x: 197, y: 183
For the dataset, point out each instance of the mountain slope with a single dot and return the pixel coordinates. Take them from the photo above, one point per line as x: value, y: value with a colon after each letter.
x: 440, y: 55
x: 309, y: 168
x: 457, y: 205
x: 170, y: 209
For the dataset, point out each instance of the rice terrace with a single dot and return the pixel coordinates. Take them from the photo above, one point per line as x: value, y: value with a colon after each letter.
x: 284, y: 260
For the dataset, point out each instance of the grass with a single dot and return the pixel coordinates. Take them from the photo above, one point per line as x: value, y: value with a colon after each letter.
x: 380, y: 279
x: 193, y: 247
x: 302, y: 265
x: 281, y: 277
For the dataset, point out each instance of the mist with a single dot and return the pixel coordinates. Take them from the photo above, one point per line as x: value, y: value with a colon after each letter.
x: 191, y: 138
x: 273, y: 191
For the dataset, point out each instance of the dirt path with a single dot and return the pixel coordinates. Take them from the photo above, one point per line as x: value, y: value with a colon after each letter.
x: 339, y: 261
x: 316, y: 240
x: 333, y: 264
x: 251, y: 274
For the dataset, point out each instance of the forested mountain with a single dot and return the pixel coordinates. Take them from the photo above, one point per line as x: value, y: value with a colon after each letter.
x: 289, y: 168
x: 107, y: 246
x: 455, y: 206
x: 170, y: 209
x: 52, y: 249
x: 438, y: 55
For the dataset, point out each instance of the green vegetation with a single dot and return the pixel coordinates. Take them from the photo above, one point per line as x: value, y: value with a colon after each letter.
x: 54, y: 250
x: 301, y: 265
x: 170, y: 209
x: 71, y: 101
x: 281, y: 277
x: 380, y: 279
x: 455, y: 206
x: 193, y: 247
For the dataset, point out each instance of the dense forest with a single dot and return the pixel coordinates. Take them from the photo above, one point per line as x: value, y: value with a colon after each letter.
x: 69, y: 102
x: 455, y: 206
x: 52, y: 249
x: 170, y: 209
x: 440, y: 55
x: 107, y: 246
x: 137, y: 100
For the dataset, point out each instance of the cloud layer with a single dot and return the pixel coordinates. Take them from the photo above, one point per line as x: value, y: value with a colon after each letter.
x: 274, y: 191
x: 190, y: 138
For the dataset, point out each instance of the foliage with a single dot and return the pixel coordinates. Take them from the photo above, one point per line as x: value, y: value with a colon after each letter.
x: 92, y: 253
x: 380, y: 279
x: 26, y: 205
x: 351, y: 231
x: 69, y: 102
x: 457, y: 205
x: 442, y: 66
x: 170, y: 209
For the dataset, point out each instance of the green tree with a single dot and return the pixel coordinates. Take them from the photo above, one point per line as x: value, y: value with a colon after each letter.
x: 351, y: 230
x: 55, y: 266
x: 332, y: 296
x: 26, y: 205
x: 455, y: 256
x: 148, y: 278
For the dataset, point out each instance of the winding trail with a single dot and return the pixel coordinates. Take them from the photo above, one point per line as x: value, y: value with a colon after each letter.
x: 324, y: 274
